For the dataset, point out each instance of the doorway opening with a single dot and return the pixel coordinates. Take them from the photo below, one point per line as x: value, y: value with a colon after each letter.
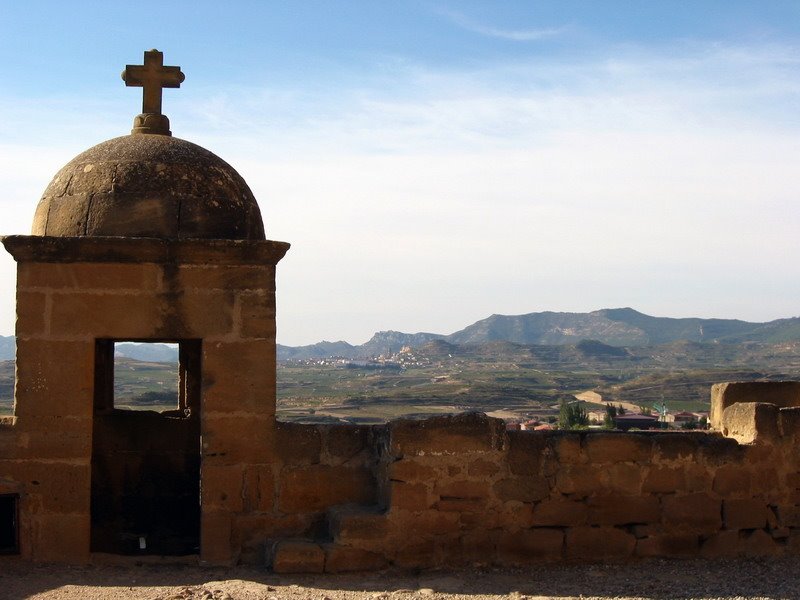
x: 145, y: 496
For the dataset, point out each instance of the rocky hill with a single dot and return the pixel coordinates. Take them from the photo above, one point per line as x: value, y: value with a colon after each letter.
x: 617, y: 327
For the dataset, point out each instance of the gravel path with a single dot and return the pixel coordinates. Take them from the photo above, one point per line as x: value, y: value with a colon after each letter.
x: 656, y: 579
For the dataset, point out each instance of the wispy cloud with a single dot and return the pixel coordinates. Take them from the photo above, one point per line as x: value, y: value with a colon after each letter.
x: 515, y: 35
x: 658, y: 180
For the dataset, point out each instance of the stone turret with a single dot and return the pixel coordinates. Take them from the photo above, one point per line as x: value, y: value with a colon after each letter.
x: 143, y: 238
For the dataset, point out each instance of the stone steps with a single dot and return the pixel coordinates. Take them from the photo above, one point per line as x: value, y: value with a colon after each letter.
x: 353, y: 530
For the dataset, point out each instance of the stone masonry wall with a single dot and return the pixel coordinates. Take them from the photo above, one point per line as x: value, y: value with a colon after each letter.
x: 459, y: 490
x: 74, y: 291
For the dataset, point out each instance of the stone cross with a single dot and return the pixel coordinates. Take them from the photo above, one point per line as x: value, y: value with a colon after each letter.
x: 153, y: 76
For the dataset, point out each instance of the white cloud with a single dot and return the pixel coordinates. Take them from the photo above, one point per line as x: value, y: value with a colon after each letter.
x: 515, y: 35
x: 663, y: 182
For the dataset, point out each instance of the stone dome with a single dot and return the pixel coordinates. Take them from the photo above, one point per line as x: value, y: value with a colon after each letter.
x: 154, y: 186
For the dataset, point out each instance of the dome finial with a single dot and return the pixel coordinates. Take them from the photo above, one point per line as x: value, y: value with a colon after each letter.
x: 152, y: 76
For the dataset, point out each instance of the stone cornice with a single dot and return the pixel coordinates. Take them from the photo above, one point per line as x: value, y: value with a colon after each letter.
x: 34, y: 248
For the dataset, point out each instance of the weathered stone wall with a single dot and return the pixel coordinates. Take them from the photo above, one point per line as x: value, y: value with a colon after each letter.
x: 782, y: 394
x: 313, y: 468
x: 461, y: 490
x: 72, y: 292
x: 448, y: 490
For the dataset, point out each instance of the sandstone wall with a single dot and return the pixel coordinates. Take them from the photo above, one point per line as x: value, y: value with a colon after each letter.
x: 72, y: 292
x: 461, y: 490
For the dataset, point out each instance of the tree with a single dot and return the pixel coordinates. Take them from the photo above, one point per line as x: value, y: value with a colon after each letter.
x: 608, y: 420
x: 572, y: 415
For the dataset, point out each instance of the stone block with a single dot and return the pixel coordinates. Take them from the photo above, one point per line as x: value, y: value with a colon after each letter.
x: 342, y: 559
x: 198, y: 314
x: 237, y: 438
x: 567, y: 448
x: 216, y: 538
x: 409, y: 471
x: 32, y: 313
x: 606, y: 448
x: 123, y: 315
x: 744, y: 514
x: 346, y: 441
x: 525, y: 452
x: 52, y: 438
x: 698, y: 477
x: 461, y: 505
x: 298, y: 443
x: 760, y: 543
x: 226, y: 277
x: 782, y: 394
x: 781, y: 533
x: 693, y: 512
x: 723, y: 544
x: 483, y: 468
x: 732, y: 480
x: 222, y: 487
x: 560, y: 513
x: 447, y: 434
x: 718, y: 451
x: 598, y: 543
x: 409, y: 496
x: 750, y: 422
x: 316, y: 488
x: 685, y: 544
x: 788, y: 418
x: 529, y: 546
x: 664, y: 480
x: 62, y: 487
x: 256, y: 315
x: 61, y: 538
x: 623, y: 510
x: 478, y: 547
x: 580, y: 480
x: 85, y: 276
x: 766, y: 481
x: 259, y: 488
x: 677, y: 446
x: 523, y: 489
x: 50, y: 387
x: 625, y: 478
x: 788, y: 515
x: 350, y: 524
x: 463, y: 488
x: 414, y: 553
x: 430, y: 522
x: 298, y: 556
x: 512, y: 516
x: 224, y: 388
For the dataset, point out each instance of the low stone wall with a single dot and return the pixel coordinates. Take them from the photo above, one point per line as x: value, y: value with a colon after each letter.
x: 315, y: 467
x: 459, y: 490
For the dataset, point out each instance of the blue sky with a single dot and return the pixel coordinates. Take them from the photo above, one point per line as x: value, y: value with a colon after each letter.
x: 436, y: 162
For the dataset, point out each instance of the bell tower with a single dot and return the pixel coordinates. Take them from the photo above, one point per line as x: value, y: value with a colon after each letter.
x: 143, y: 238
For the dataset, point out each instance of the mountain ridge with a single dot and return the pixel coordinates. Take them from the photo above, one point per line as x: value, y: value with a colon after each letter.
x: 617, y: 327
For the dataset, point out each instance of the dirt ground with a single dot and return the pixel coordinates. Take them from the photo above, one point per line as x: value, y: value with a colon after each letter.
x: 656, y: 579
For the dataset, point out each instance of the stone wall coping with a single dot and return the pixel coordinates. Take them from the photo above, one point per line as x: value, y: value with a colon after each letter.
x: 49, y: 249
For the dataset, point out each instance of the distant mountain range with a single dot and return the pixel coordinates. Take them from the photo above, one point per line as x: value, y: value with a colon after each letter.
x: 145, y: 352
x: 618, y: 327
